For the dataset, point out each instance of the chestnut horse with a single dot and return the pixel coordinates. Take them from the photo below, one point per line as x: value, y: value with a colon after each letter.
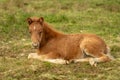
x: 57, y: 47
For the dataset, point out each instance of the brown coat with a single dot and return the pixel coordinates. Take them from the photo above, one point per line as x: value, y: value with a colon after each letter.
x: 57, y: 45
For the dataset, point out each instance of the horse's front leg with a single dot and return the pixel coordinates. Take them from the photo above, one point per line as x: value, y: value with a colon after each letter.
x: 36, y: 56
x: 46, y: 59
x: 57, y: 61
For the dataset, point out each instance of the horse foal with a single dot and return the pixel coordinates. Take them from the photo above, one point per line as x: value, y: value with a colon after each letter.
x: 57, y: 47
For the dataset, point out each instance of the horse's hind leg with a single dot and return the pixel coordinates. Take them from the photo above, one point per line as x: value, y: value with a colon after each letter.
x: 93, y: 60
x: 103, y: 58
x: 90, y: 60
x: 97, y: 57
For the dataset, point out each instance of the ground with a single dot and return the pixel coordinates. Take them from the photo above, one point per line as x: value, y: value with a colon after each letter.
x: 101, y: 17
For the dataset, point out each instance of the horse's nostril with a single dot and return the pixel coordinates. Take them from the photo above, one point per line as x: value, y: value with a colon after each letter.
x: 35, y: 45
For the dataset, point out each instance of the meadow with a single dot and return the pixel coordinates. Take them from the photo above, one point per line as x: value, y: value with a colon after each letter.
x: 101, y: 17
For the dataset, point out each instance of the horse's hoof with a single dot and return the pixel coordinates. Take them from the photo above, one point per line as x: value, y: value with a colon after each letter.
x: 31, y: 55
x: 93, y: 62
x: 66, y: 62
x: 71, y: 61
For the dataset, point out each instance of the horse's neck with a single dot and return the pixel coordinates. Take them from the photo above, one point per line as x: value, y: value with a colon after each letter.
x: 50, y: 32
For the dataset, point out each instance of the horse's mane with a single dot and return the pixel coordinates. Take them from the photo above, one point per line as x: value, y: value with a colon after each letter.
x: 51, y: 31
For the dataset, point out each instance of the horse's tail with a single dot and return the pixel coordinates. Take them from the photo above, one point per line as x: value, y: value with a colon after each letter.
x: 109, y: 54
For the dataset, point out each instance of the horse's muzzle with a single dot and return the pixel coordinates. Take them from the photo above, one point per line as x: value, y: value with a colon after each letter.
x: 35, y: 45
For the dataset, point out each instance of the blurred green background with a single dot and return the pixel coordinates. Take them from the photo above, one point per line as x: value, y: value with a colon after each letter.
x: 101, y: 17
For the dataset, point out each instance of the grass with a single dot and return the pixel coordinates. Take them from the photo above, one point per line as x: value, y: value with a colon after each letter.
x: 100, y: 17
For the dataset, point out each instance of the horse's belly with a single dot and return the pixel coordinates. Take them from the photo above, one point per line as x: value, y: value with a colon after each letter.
x: 70, y: 49
x: 67, y: 48
x: 73, y: 52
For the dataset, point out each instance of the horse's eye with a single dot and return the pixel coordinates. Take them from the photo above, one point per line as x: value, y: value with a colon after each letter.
x: 40, y: 32
x: 30, y: 32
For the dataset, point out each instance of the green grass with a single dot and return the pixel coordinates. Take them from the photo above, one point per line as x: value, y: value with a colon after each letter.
x: 101, y: 17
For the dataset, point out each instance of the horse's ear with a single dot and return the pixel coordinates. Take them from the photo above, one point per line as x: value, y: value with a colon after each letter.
x: 29, y: 20
x: 41, y: 19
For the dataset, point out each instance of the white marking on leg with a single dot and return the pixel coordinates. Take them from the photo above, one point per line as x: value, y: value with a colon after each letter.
x: 81, y: 60
x: 35, y: 56
x: 92, y: 61
x: 34, y: 27
x: 44, y: 58
x: 56, y: 61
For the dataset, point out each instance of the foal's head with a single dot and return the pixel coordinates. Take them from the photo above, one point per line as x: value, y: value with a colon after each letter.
x: 36, y: 30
